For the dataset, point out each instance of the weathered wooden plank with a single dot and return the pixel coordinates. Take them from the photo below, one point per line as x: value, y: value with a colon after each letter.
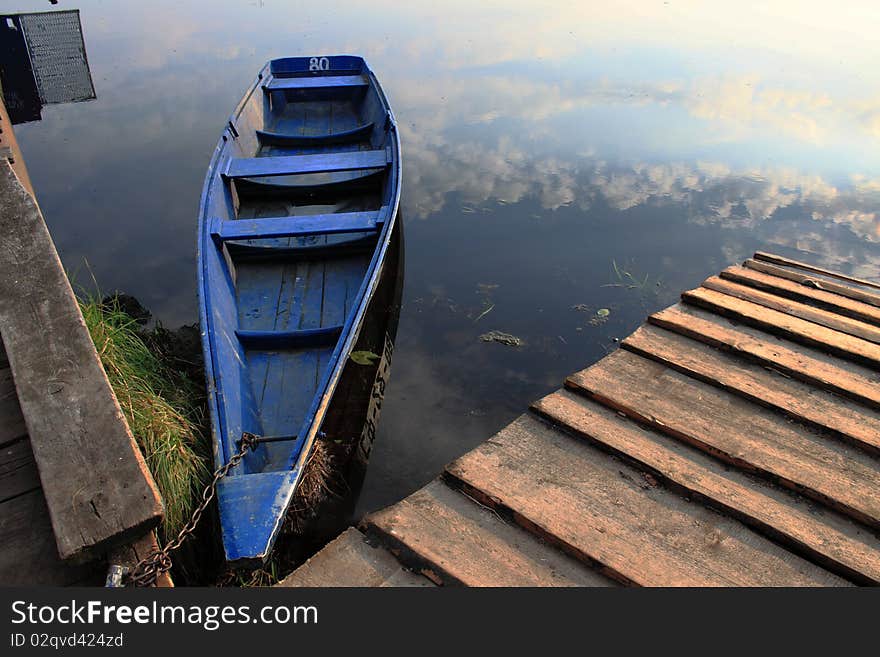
x: 280, y: 227
x: 787, y: 288
x: 803, y: 363
x: 814, y: 282
x: 289, y: 165
x: 12, y: 425
x: 603, y: 511
x: 97, y: 487
x: 801, y: 401
x: 453, y: 540
x: 18, y: 472
x: 830, y: 539
x: 783, y: 324
x: 324, y: 82
x: 736, y: 431
x: 803, y: 311
x: 29, y: 556
x: 348, y: 560
x: 786, y: 262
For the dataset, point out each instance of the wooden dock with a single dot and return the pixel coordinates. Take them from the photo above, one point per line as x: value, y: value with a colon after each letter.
x: 732, y: 440
x: 74, y: 488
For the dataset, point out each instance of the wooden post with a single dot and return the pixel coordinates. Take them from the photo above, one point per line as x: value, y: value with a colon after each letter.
x: 10, y: 150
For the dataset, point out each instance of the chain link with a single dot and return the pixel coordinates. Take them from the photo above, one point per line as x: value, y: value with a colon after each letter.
x: 148, y: 569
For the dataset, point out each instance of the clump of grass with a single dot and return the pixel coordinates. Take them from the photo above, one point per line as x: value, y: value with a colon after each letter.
x: 160, y: 406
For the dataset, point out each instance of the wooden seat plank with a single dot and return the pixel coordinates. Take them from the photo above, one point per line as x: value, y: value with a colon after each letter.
x: 801, y: 401
x: 348, y: 560
x: 605, y: 512
x: 290, y: 165
x: 799, y: 292
x: 736, y: 431
x: 781, y: 323
x: 815, y: 282
x: 831, y: 539
x: 316, y: 82
x: 440, y: 531
x: 803, y: 311
x: 352, y: 135
x: 280, y: 227
x: 96, y: 484
x: 804, y: 363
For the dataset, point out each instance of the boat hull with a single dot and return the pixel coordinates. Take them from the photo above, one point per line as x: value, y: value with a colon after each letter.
x: 298, y: 225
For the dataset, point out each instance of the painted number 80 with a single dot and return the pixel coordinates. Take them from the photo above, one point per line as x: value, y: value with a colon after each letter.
x: 319, y: 64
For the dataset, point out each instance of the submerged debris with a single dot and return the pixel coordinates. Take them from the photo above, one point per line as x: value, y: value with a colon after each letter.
x: 317, y: 485
x: 484, y: 313
x: 484, y: 291
x: 502, y: 338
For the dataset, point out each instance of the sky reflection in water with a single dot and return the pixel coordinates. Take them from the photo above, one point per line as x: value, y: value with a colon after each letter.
x: 545, y: 144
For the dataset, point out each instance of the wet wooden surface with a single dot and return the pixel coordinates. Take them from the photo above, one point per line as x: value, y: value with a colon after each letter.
x: 29, y: 556
x: 349, y: 561
x: 733, y: 440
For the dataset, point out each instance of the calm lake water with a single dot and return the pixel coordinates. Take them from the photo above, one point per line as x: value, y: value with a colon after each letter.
x: 568, y: 168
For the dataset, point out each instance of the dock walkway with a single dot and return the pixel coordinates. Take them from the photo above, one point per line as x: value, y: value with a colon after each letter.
x: 732, y: 440
x: 29, y: 555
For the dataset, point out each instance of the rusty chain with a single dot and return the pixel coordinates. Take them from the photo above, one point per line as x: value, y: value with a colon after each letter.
x: 148, y: 569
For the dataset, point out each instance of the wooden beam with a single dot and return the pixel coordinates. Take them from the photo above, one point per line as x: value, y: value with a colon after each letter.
x: 832, y: 540
x: 852, y: 422
x: 97, y: 486
x: 804, y: 363
x: 294, y: 165
x: 814, y: 282
x: 603, y: 511
x: 779, y: 260
x: 349, y: 561
x: 451, y: 539
x: 10, y: 150
x: 323, y: 82
x: 788, y: 326
x: 280, y: 227
x: 803, y: 311
x: 790, y: 289
x: 736, y: 431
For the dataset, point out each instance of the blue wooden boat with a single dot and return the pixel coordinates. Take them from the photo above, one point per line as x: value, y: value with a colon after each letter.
x: 299, y: 267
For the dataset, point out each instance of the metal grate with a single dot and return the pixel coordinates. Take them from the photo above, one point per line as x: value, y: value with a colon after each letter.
x: 58, y: 56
